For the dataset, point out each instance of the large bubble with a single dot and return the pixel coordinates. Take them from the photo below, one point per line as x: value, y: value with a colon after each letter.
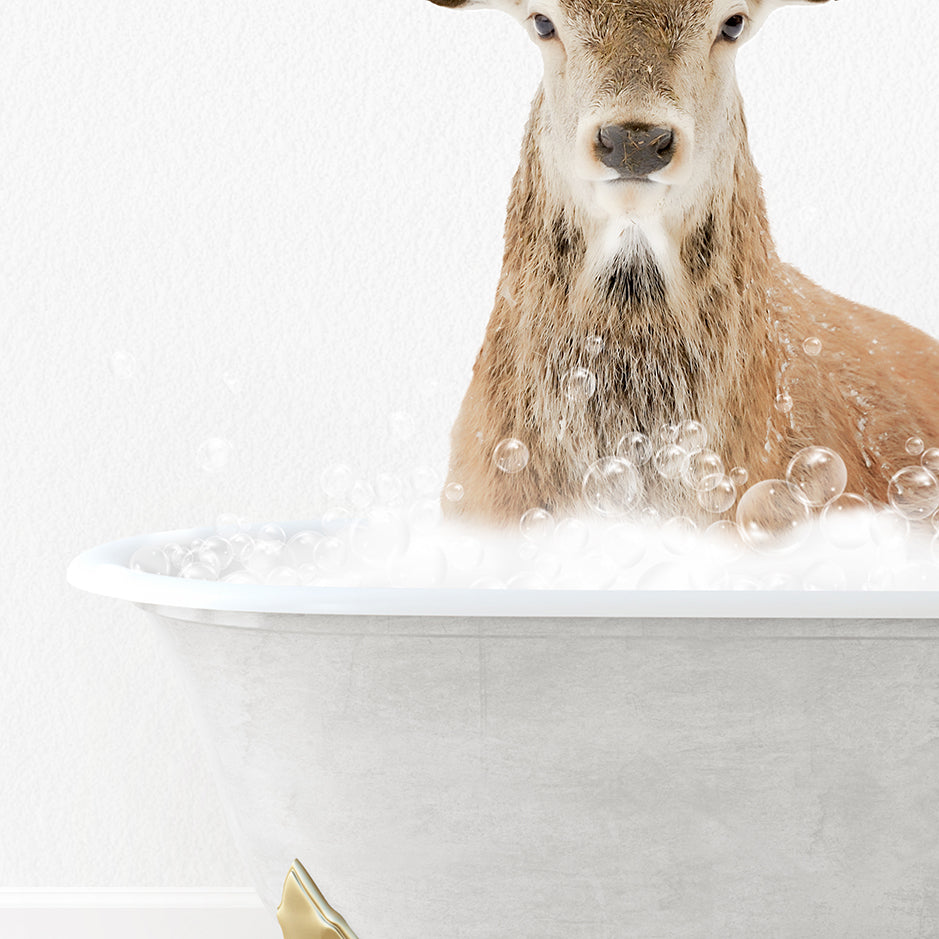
x: 772, y: 517
x: 914, y: 493
x: 612, y: 487
x: 510, y: 455
x: 818, y: 475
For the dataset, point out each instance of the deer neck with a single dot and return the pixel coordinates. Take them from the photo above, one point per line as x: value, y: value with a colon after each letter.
x: 668, y: 315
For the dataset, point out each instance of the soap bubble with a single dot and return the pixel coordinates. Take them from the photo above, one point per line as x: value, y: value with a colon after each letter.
x: 527, y: 580
x: 334, y: 517
x: 379, y: 536
x: 812, y: 346
x: 588, y: 571
x: 217, y: 551
x: 537, y: 525
x: 818, y: 475
x: 783, y: 403
x: 666, y: 575
x: 914, y: 493
x: 704, y: 470
x: 723, y: 537
x: 612, y: 486
x: 739, y: 476
x: 214, y: 454
x: 336, y: 480
x: 667, y: 433
x: 453, y: 492
x: 719, y: 498
x: 846, y: 521
x: 772, y: 517
x: 670, y: 461
x: 232, y: 380
x: 150, y: 560
x: 930, y: 459
x: 122, y: 363
x: 593, y: 346
x: 176, y: 554
x: 692, y: 436
x: 263, y: 556
x: 329, y: 555
x: 361, y: 495
x: 302, y: 546
x: 678, y: 534
x: 510, y: 455
x: 273, y: 533
x: 914, y: 446
x: 635, y: 447
x: 579, y: 384
x: 282, y: 577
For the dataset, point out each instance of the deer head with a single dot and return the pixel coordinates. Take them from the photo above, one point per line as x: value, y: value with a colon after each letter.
x: 640, y: 115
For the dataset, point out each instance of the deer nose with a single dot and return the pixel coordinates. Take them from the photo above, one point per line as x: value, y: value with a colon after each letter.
x: 635, y: 150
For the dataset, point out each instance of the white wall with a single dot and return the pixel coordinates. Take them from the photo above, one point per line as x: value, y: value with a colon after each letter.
x: 289, y: 214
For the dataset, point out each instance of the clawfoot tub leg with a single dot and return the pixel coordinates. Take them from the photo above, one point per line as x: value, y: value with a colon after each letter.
x: 304, y: 913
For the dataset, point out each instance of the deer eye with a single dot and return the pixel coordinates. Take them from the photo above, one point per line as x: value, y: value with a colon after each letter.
x: 732, y: 29
x: 543, y: 26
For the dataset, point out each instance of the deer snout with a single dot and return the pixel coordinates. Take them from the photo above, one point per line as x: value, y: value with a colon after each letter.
x: 635, y: 151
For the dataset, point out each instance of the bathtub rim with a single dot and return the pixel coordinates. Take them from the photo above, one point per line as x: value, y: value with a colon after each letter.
x: 103, y: 570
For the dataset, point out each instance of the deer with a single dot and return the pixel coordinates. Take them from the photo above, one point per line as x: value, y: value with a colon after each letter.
x: 641, y: 291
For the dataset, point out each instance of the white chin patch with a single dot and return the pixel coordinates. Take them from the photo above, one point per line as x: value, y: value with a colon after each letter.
x: 627, y: 237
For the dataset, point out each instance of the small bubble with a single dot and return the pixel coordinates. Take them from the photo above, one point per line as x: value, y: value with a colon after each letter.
x: 704, y: 470
x: 812, y: 346
x: 232, y: 381
x: 692, y: 436
x: 593, y: 346
x: 360, y: 496
x: 272, y: 533
x: 818, y: 475
x: 424, y: 514
x: 123, y: 365
x: 390, y: 489
x: 635, y: 447
x: 914, y: 446
x: 510, y: 456
x: 215, y: 551
x: 536, y: 525
x: 301, y: 548
x: 329, y: 555
x: 668, y: 433
x: 241, y: 577
x: 453, y: 492
x: 570, y: 535
x: 914, y: 493
x: 612, y: 486
x: 739, y: 476
x: 579, y: 384
x: 214, y: 454
x: 783, y: 403
x: 720, y: 497
x: 150, y: 560
x: 771, y: 517
x: 670, y: 461
x: 930, y: 459
x: 336, y: 480
x: 196, y: 571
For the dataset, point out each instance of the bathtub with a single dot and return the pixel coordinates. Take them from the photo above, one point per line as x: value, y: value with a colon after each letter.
x: 466, y: 764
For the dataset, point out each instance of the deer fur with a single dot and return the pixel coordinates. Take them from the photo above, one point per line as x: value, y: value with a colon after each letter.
x: 679, y: 280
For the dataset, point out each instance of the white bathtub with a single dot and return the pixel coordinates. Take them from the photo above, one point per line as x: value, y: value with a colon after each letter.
x: 545, y: 764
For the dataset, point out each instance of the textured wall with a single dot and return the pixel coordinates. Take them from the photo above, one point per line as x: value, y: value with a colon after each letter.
x: 278, y: 223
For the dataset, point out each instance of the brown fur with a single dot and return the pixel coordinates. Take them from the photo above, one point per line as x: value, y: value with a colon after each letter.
x: 718, y: 346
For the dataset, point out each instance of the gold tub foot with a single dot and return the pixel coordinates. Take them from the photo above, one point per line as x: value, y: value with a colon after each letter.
x: 304, y: 913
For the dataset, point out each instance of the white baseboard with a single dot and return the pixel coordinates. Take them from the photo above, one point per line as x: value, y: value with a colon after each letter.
x: 138, y: 914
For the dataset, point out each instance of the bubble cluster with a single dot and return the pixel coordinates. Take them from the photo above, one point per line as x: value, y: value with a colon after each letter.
x: 803, y: 531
